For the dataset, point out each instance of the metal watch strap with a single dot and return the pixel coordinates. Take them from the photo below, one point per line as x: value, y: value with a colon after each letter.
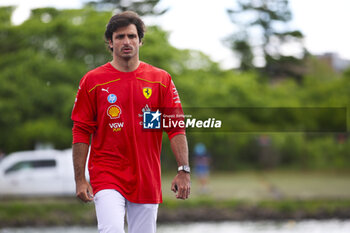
x: 184, y: 168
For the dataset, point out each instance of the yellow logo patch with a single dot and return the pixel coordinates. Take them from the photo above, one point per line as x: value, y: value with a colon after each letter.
x: 147, y: 92
x: 114, y: 111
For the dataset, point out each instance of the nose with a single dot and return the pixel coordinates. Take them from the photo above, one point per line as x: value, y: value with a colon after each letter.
x: 126, y: 41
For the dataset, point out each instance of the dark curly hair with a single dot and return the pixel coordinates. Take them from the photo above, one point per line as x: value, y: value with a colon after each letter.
x: 122, y: 20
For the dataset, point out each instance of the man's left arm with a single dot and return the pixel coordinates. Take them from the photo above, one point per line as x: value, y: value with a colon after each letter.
x: 181, y: 184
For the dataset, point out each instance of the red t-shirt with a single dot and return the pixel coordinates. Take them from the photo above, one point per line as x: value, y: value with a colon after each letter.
x: 109, y: 106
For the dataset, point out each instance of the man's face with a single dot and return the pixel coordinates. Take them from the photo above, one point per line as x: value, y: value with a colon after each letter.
x: 125, y: 42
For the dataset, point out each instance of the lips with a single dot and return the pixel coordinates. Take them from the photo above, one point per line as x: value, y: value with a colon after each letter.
x: 126, y: 49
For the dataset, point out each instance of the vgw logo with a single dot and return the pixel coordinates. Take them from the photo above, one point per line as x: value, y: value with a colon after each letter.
x: 151, y: 120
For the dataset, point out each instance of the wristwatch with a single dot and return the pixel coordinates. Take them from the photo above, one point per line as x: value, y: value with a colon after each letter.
x: 184, y: 168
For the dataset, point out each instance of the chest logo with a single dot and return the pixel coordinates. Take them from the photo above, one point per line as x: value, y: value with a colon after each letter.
x: 106, y: 90
x: 114, y: 111
x: 112, y: 98
x: 147, y: 92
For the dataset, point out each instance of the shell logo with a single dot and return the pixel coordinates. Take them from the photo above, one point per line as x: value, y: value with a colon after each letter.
x: 114, y: 111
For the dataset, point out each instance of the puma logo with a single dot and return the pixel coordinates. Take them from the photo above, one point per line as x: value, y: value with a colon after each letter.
x: 106, y: 90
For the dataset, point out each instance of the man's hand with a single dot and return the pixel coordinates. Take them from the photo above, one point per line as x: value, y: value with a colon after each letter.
x: 84, y: 191
x: 82, y: 187
x: 181, y: 185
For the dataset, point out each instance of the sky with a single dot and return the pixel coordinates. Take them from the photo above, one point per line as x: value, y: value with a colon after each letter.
x: 203, y: 25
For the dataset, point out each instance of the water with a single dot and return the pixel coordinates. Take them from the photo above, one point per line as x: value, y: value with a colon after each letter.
x: 329, y: 226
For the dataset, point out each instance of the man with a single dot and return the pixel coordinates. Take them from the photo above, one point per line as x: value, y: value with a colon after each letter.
x: 124, y: 160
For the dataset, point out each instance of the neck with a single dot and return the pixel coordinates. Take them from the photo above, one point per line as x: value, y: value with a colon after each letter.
x: 125, y: 65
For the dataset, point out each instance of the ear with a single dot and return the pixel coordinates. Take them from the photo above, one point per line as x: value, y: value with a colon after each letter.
x: 110, y: 43
x: 141, y: 43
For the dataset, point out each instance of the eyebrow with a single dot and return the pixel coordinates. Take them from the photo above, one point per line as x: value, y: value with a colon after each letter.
x: 128, y: 34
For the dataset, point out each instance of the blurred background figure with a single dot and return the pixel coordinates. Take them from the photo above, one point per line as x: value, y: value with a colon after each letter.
x: 202, y: 167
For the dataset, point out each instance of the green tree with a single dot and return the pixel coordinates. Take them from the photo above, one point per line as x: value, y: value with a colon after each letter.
x: 43, y: 59
x: 262, y: 32
x: 41, y: 63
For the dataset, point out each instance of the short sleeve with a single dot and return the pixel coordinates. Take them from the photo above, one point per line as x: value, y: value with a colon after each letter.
x: 172, y: 107
x: 83, y: 114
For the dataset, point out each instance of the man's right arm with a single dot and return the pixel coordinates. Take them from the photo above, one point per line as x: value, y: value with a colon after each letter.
x: 83, y: 115
x: 83, y: 188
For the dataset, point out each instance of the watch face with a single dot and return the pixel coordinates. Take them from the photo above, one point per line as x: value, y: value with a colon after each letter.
x: 184, y: 168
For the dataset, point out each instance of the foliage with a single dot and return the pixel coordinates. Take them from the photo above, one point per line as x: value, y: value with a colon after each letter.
x: 43, y: 59
x: 262, y: 33
x: 42, y: 62
x: 39, y: 212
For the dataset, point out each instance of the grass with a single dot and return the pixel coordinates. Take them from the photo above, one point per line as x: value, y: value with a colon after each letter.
x: 271, y: 185
x: 309, y: 206
x: 272, y: 194
x: 45, y: 211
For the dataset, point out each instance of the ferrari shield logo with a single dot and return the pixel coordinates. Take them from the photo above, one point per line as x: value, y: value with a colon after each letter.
x: 147, y: 92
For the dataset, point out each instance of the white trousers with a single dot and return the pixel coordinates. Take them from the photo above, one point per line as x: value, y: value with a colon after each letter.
x: 110, y: 211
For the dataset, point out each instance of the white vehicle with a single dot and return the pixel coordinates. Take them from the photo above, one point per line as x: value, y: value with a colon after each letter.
x: 33, y: 173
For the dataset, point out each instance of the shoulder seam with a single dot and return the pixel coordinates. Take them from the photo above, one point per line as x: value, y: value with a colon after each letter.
x: 101, y: 84
x: 151, y: 81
